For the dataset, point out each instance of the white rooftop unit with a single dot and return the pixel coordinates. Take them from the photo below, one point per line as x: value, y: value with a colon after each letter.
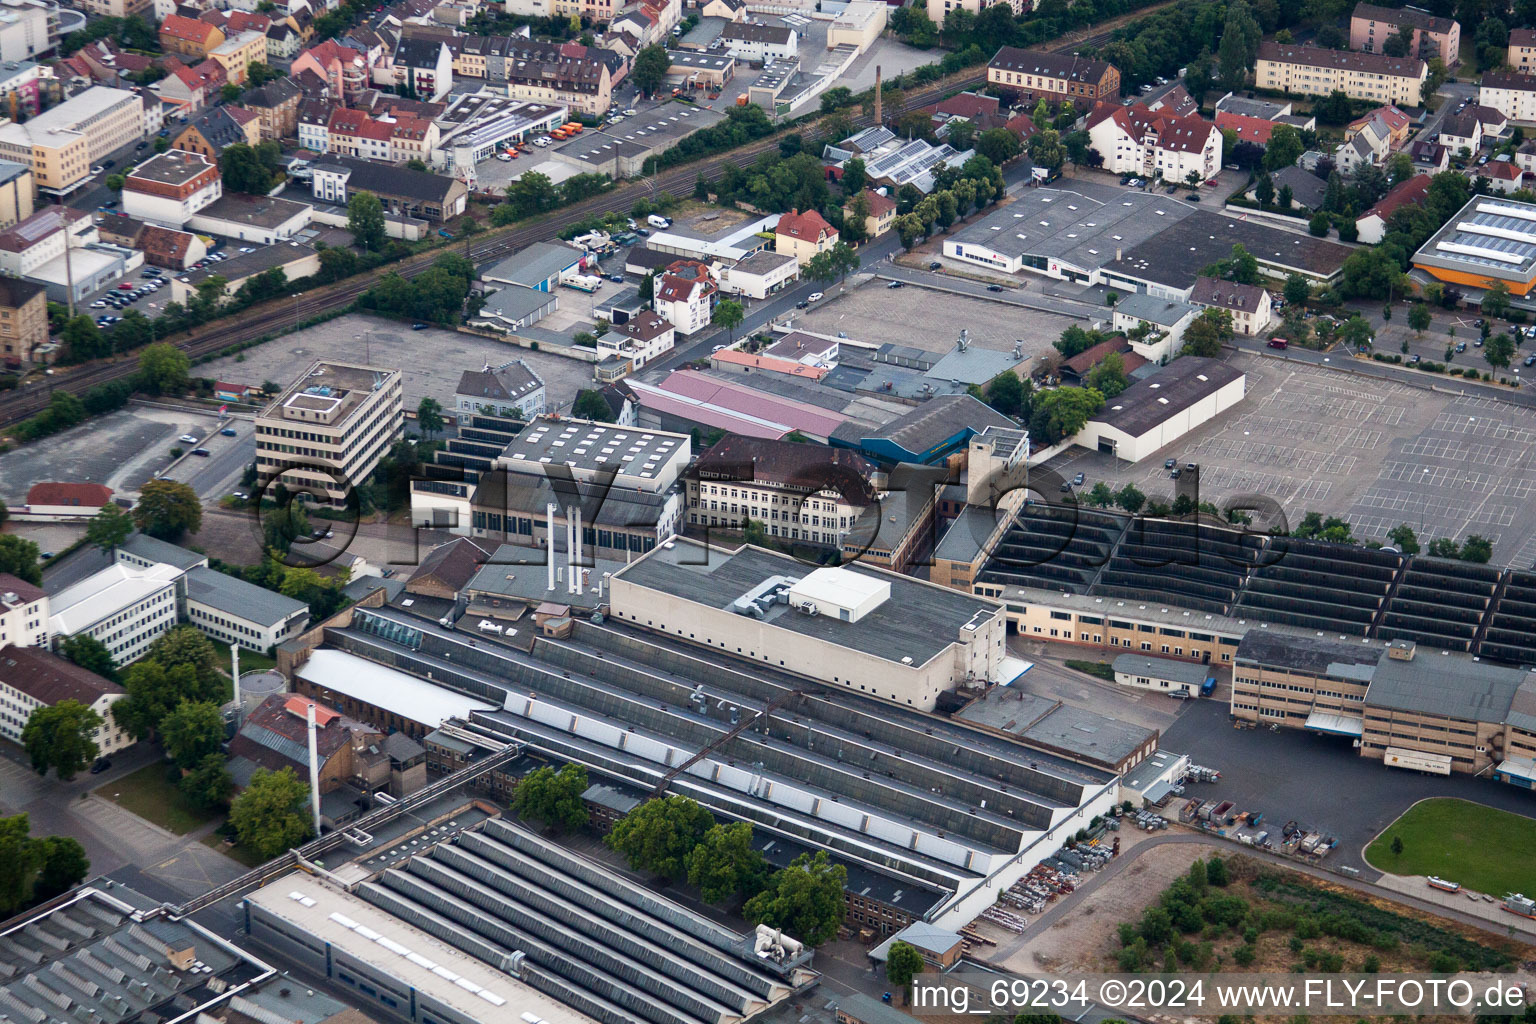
x: 842, y: 593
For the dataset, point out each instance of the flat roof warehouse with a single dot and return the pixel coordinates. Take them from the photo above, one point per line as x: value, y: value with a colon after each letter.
x: 1488, y: 239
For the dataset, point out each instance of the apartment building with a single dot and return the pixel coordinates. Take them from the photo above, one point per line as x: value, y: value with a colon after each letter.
x: 424, y: 66
x: 59, y: 162
x: 685, y: 295
x: 638, y: 340
x: 118, y: 8
x: 1033, y: 74
x: 1315, y: 71
x: 806, y: 493
x: 758, y: 43
x: 939, y: 9
x: 189, y: 36
x: 59, y: 145
x: 1521, y: 53
x: 404, y: 192
x: 583, y: 84
x: 169, y: 188
x: 510, y: 390
x: 326, y: 432
x: 32, y: 679
x: 237, y: 53
x: 23, y: 325
x: 344, y: 70
x: 1511, y: 93
x: 28, y: 28
x: 1155, y: 144
x: 1370, y: 27
x: 276, y: 106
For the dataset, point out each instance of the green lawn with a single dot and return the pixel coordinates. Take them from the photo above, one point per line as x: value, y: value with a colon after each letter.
x: 249, y: 858
x: 1102, y: 669
x: 250, y: 661
x: 147, y: 794
x: 1463, y: 842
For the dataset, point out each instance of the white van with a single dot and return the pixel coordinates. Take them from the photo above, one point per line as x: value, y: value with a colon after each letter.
x: 656, y: 221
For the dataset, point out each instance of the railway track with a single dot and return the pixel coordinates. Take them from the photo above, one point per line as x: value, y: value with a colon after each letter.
x: 272, y: 318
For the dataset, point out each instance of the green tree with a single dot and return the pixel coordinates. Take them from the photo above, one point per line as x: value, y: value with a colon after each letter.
x: 804, y: 899
x: 910, y: 228
x: 1397, y: 846
x: 855, y: 177
x: 728, y: 314
x: 1319, y: 224
x: 167, y: 509
x: 657, y: 836
x: 365, y: 219
x: 1206, y: 333
x: 1046, y: 150
x: 998, y: 145
x: 1419, y: 318
x: 83, y: 338
x: 429, y: 417
x: 64, y: 865
x: 1061, y: 412
x: 1284, y: 149
x: 725, y: 863
x: 115, y: 182
x: 1264, y: 191
x: 590, y: 405
x: 62, y: 737
x: 208, y: 786
x: 90, y: 654
x: 902, y: 963
x: 650, y: 69
x: 109, y: 527
x: 1496, y: 299
x: 1356, y: 333
x: 1130, y: 498
x: 268, y: 815
x: 20, y: 857
x: 1476, y: 549
x: 190, y: 646
x: 1499, y: 349
x: 153, y: 690
x: 1100, y: 495
x: 1284, y: 198
x: 191, y: 732
x: 1404, y: 538
x: 18, y: 557
x: 230, y: 92
x: 1297, y: 290
x: 1216, y: 872
x: 1008, y: 394
x: 1109, y: 377
x: 553, y: 797
x: 164, y: 368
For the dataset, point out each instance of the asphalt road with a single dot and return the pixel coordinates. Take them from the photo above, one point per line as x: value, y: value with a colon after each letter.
x: 219, y: 472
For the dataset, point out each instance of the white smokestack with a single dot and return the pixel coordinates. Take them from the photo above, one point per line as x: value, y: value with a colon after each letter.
x: 314, y: 769
x: 570, y: 559
x: 549, y: 541
x: 234, y: 669
x: 577, y: 559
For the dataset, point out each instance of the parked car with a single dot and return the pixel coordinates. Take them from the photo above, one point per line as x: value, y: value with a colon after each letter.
x: 814, y: 297
x: 1066, y: 488
x: 616, y: 278
x: 1078, y: 480
x: 203, y: 452
x: 1530, y: 360
x: 894, y: 284
x: 1415, y: 358
x: 935, y: 265
x: 187, y: 439
x: 802, y: 304
x: 1279, y: 343
x: 1461, y: 346
x: 1170, y: 463
x: 228, y: 432
x: 101, y: 765
x: 994, y: 287
x: 420, y: 327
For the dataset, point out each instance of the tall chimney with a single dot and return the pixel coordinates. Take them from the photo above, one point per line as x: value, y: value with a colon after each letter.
x: 570, y: 546
x: 314, y: 768
x: 879, y: 99
x: 576, y: 555
x: 234, y: 672
x: 549, y: 541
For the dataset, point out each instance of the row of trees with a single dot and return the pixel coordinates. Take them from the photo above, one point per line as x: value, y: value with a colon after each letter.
x: 437, y: 294
x: 675, y: 838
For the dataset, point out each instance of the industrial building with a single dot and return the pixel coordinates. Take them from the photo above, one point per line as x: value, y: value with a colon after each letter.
x: 1490, y: 239
x: 752, y: 742
x: 879, y: 633
x: 1156, y: 411
x: 502, y: 922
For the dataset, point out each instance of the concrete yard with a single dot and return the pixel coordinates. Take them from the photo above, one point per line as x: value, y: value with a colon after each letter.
x: 1375, y: 453
x: 875, y: 314
x: 432, y: 359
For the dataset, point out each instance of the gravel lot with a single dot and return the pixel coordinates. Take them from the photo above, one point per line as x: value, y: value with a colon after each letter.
x: 1376, y: 453
x: 432, y: 359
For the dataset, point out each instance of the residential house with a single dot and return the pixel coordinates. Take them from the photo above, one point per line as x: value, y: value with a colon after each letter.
x: 1525, y: 156
x: 1371, y: 26
x: 1494, y: 123
x: 685, y: 295
x: 343, y: 69
x: 1504, y: 175
x: 1365, y: 144
x: 881, y: 216
x: 213, y: 132
x: 189, y: 36
x: 510, y: 390
x: 1307, y: 189
x: 1521, y: 52
x: 283, y: 41
x: 238, y: 52
x: 31, y: 678
x: 1389, y: 117
x: 552, y: 74
x: 1316, y: 71
x: 1032, y: 74
x: 638, y: 340
x: 173, y: 250
x: 1429, y: 154
x: 191, y: 89
x: 276, y: 104
x: 1249, y: 304
x: 759, y: 275
x: 1075, y: 371
x: 1136, y: 140
x: 424, y: 67
x: 1247, y: 128
x: 1154, y: 327
x: 802, y: 235
x: 1461, y: 133
x: 167, y: 189
x: 353, y: 133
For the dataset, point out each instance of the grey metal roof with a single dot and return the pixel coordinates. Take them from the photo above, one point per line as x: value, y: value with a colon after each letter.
x: 1490, y: 236
x: 1187, y: 672
x: 1175, y: 255
x: 1087, y: 226
x: 157, y: 550
x: 1441, y: 683
x: 239, y: 599
x: 1310, y: 654
x: 533, y: 265
x: 514, y: 303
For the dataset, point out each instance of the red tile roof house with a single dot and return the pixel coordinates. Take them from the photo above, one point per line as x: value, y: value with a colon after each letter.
x: 803, y: 235
x: 56, y: 502
x: 1505, y: 176
x: 1247, y: 129
x: 1373, y: 225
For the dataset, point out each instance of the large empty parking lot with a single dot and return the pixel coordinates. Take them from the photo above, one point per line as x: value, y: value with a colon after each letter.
x: 1375, y: 453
